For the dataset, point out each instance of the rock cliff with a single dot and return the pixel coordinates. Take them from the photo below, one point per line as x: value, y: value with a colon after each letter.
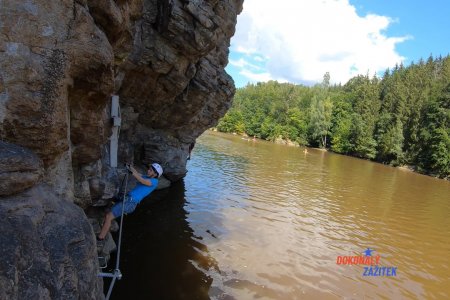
x: 61, y: 61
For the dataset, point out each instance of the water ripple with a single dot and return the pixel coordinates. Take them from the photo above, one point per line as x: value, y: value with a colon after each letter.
x: 280, y: 219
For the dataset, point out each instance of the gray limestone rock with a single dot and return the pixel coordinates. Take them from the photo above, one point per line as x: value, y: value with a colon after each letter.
x: 47, y: 248
x: 60, y: 62
x: 20, y: 169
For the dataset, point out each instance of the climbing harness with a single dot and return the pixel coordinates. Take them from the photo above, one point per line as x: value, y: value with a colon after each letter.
x: 116, y: 274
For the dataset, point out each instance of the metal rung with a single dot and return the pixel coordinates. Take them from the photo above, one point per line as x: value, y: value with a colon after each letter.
x: 117, y: 274
x: 102, y: 262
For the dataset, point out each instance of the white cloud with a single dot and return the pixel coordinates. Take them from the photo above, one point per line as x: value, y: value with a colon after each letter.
x: 242, y: 63
x: 300, y: 40
x: 257, y: 77
x: 258, y: 58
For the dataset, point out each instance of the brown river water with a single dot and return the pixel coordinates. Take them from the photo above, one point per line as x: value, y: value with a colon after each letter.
x: 256, y: 220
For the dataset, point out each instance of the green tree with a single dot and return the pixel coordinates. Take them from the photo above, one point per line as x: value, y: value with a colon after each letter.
x: 232, y: 122
x: 320, y: 122
x: 341, y: 125
x: 435, y: 136
x: 363, y: 93
x: 390, y: 140
x: 298, y: 125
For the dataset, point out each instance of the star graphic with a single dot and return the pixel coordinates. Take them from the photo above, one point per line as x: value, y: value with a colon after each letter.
x: 368, y: 252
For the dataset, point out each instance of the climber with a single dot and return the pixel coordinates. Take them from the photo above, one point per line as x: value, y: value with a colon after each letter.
x: 146, y: 184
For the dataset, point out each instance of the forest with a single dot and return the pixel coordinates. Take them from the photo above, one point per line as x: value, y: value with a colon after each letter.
x: 400, y: 118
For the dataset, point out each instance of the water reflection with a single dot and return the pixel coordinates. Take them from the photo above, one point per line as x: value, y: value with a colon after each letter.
x: 258, y: 220
x: 161, y: 256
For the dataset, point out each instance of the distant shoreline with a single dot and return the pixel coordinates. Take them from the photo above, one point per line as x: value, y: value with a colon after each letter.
x: 409, y: 168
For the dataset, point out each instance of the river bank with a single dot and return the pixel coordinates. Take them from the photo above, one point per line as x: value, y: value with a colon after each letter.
x: 287, y: 142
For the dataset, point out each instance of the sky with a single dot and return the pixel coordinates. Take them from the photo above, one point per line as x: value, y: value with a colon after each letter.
x: 298, y: 41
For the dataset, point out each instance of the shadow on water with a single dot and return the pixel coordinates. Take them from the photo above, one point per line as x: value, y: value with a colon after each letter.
x: 260, y: 220
x: 161, y: 258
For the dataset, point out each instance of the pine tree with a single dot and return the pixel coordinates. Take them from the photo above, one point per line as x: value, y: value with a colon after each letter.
x: 363, y: 94
x: 435, y: 136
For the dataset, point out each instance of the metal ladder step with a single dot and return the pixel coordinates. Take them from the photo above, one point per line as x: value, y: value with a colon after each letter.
x: 103, y: 263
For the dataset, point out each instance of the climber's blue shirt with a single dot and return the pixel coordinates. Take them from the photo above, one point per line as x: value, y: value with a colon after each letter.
x: 141, y: 190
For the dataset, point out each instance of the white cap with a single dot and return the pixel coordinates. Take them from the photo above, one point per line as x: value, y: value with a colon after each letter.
x: 158, y: 169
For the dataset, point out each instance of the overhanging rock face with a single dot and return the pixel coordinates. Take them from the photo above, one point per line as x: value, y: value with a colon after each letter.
x: 60, y: 62
x: 173, y: 83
